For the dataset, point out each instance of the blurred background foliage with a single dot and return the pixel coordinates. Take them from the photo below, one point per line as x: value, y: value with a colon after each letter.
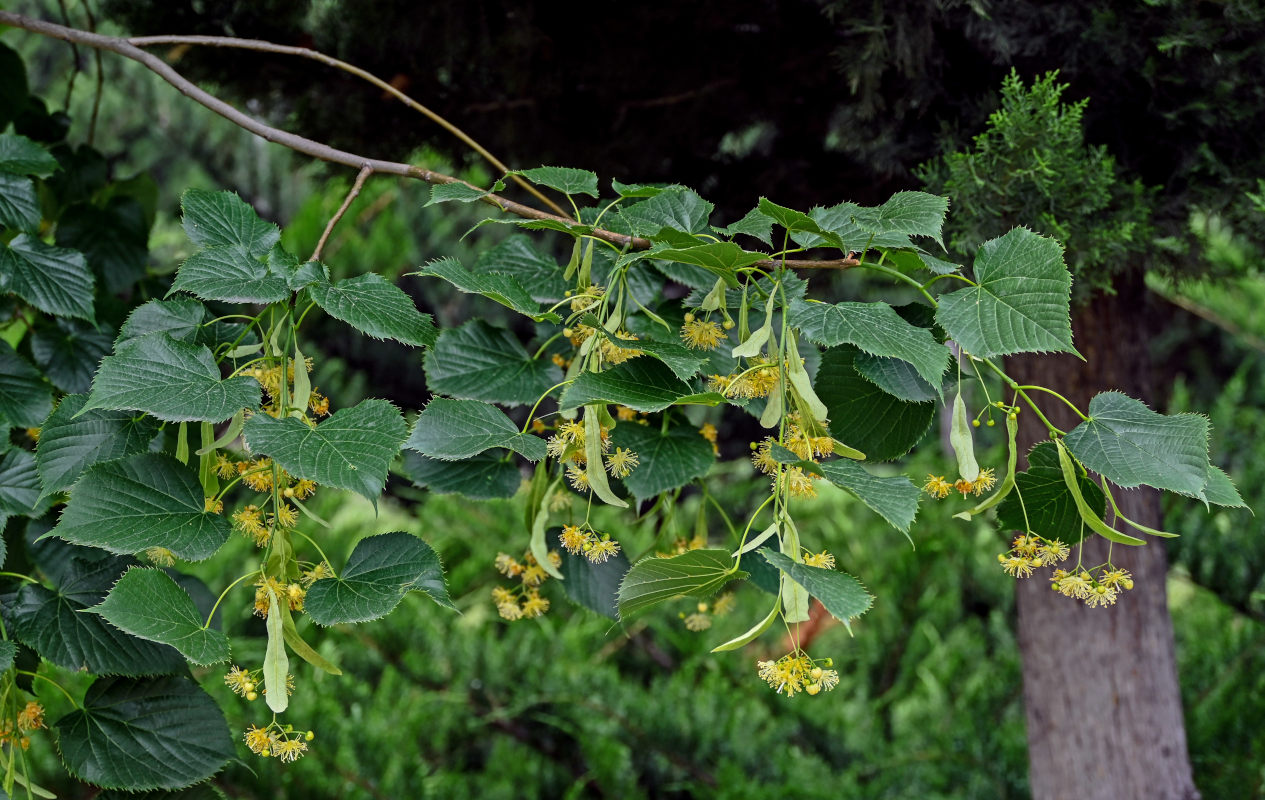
x: 437, y: 705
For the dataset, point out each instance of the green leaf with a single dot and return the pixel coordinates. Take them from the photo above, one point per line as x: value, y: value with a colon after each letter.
x: 694, y: 573
x: 19, y: 204
x: 675, y: 207
x: 69, y: 351
x: 896, y: 377
x: 135, y: 735
x: 19, y: 483
x: 567, y: 180
x: 71, y: 442
x: 641, y: 189
x: 174, y: 381
x: 202, y: 791
x: 594, y: 586
x: 479, y: 362
x: 504, y: 289
x: 682, y: 360
x: 215, y: 219
x: 641, y: 384
x: 149, y: 605
x: 114, y: 238
x: 374, y: 306
x: 538, y: 272
x: 718, y: 258
x: 842, y: 595
x: 455, y: 429
x: 893, y: 498
x: 1131, y: 445
x: 21, y: 156
x: 1071, y: 474
x: 1051, y: 510
x: 25, y: 399
x: 756, y: 224
x: 484, y: 477
x: 912, y: 213
x: 181, y: 317
x: 455, y: 191
x: 864, y: 416
x: 352, y: 449
x: 875, y: 328
x: 381, y: 570
x: 8, y: 651
x: 1220, y: 490
x: 1020, y: 303
x: 668, y: 459
x: 55, y: 280
x: 142, y: 501
x: 796, y: 222
x: 52, y: 622
x: 231, y: 274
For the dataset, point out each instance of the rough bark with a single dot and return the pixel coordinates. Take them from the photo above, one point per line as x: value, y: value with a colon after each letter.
x: 1100, y: 684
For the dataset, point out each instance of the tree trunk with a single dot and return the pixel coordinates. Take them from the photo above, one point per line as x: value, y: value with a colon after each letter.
x: 1100, y: 684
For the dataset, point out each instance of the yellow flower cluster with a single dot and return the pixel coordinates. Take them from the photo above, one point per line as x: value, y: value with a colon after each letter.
x: 1030, y: 551
x: 1098, y: 587
x: 615, y: 354
x: 583, y: 540
x: 292, y: 593
x: 524, y: 601
x: 939, y: 488
x: 276, y: 740
x: 709, y: 432
x: 13, y: 731
x: 702, y: 334
x: 796, y: 672
x: 757, y: 381
x: 567, y: 442
x: 243, y: 682
x: 809, y: 448
x: 587, y: 298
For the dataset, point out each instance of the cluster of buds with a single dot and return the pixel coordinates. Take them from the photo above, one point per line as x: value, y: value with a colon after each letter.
x: 524, y: 600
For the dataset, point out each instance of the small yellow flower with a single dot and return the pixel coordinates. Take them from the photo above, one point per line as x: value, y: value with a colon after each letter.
x: 294, y: 594
x: 31, y: 718
x: 304, y: 488
x: 534, y: 605
x: 698, y: 622
x: 964, y: 486
x: 701, y: 335
x: 762, y: 458
x: 1117, y: 577
x: 823, y: 559
x: 621, y: 462
x: 1018, y: 566
x: 508, y: 566
x: 724, y: 604
x: 224, y: 467
x: 259, y: 740
x: 534, y: 575
x: 160, y: 556
x: 578, y: 477
x: 986, y: 480
x: 290, y: 749
x: 599, y: 551
x: 316, y: 573
x: 501, y: 595
x: 287, y: 516
x: 1101, y: 596
x: 212, y: 506
x: 573, y: 538
x: 937, y: 487
x: 625, y: 414
x: 34, y: 434
x: 510, y: 611
x: 1054, y: 551
x: 239, y: 681
x: 799, y: 483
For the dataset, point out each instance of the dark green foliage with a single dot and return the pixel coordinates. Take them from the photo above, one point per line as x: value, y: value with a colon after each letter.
x: 1032, y: 166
